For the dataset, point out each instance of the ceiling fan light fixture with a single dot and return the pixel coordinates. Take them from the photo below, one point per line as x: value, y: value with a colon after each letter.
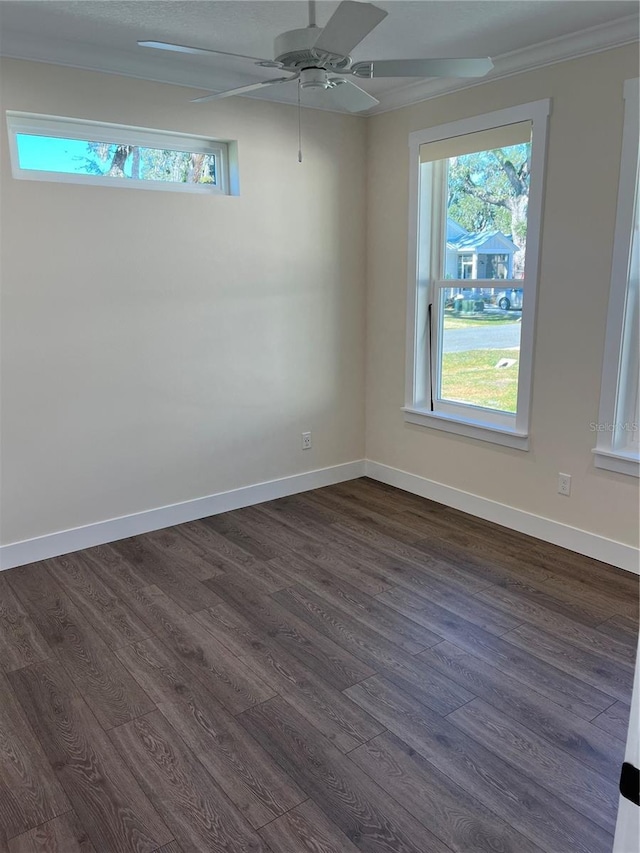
x: 314, y: 78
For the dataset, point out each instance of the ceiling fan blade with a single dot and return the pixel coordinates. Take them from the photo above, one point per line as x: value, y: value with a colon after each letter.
x: 183, y: 48
x: 348, y: 25
x: 216, y: 96
x: 422, y: 68
x: 346, y: 94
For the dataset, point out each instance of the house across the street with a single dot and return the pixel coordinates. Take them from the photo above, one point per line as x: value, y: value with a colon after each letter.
x: 484, y: 254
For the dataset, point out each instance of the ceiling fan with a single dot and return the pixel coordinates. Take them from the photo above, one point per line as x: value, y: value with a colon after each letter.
x: 314, y: 56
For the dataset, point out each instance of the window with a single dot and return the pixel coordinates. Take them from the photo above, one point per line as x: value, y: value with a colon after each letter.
x: 476, y: 201
x: 617, y: 429
x: 46, y: 148
x: 497, y: 266
x: 465, y: 266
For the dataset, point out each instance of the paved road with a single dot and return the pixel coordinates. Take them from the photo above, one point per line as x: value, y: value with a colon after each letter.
x: 500, y: 336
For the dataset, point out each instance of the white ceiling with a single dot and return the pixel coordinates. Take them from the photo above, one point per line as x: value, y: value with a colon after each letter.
x: 102, y: 35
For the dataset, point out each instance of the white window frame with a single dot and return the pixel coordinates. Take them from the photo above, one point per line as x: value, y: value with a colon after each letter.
x: 463, y: 419
x: 617, y: 433
x: 95, y: 131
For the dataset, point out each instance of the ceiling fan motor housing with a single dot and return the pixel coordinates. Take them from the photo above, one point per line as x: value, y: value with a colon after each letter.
x: 295, y: 50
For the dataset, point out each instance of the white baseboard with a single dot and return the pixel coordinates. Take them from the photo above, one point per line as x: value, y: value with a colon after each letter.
x: 66, y: 541
x: 582, y: 541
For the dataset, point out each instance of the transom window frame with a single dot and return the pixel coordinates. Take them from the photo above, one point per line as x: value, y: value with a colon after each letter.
x: 96, y: 131
x: 425, y: 289
x: 617, y: 436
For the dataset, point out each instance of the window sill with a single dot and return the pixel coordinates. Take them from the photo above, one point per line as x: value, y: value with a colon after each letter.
x: 471, y: 429
x: 620, y: 462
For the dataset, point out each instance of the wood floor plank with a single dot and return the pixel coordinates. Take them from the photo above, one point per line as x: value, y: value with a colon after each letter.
x: 370, y: 493
x: 339, y: 563
x: 306, y: 829
x: 430, y: 687
x: 217, y: 551
x: 440, y: 598
x: 448, y: 811
x: 563, y: 689
x: 604, y: 674
x: 582, y: 575
x: 409, y: 566
x: 249, y: 777
x: 363, y: 608
x: 109, y: 803
x: 621, y: 628
x: 262, y: 528
x: 251, y: 541
x: 195, y: 809
x: 29, y: 791
x: 583, y: 789
x: 529, y: 808
x: 337, y: 717
x: 164, y: 571
x: 300, y: 513
x: 114, y: 571
x: 469, y: 542
x: 615, y: 721
x: 108, y: 615
x: 172, y: 847
x: 564, y: 730
x: 111, y: 692
x: 358, y: 510
x: 21, y: 643
x: 560, y: 626
x: 259, y: 577
x: 315, y: 651
x: 595, y: 595
x: 188, y: 555
x: 342, y: 553
x: 455, y: 546
x: 235, y: 685
x: 63, y: 834
x: 565, y: 601
x: 358, y: 806
x: 417, y: 560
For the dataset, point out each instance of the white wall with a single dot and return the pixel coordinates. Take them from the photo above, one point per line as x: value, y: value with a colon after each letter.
x: 159, y: 347
x: 577, y: 240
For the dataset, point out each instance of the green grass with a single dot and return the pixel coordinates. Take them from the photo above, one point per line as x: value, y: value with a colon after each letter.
x: 472, y: 377
x: 465, y: 321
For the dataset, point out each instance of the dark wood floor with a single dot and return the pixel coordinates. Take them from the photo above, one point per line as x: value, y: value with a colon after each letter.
x: 350, y: 669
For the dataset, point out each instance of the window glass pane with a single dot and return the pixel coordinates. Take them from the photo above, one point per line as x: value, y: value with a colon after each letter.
x: 486, y: 213
x: 480, y: 352
x: 110, y: 160
x: 628, y: 405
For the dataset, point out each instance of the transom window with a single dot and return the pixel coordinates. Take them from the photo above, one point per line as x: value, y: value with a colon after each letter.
x: 475, y: 210
x: 67, y: 150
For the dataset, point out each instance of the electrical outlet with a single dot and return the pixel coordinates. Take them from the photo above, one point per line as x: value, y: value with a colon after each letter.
x: 564, y: 484
x: 306, y: 441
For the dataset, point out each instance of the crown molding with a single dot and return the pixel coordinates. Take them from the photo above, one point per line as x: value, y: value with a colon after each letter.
x: 90, y: 57
x: 582, y: 43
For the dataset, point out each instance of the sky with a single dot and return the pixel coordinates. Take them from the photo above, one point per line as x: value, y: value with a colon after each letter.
x: 50, y: 154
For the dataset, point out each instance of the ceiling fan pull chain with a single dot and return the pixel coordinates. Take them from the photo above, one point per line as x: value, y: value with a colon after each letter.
x: 299, y: 126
